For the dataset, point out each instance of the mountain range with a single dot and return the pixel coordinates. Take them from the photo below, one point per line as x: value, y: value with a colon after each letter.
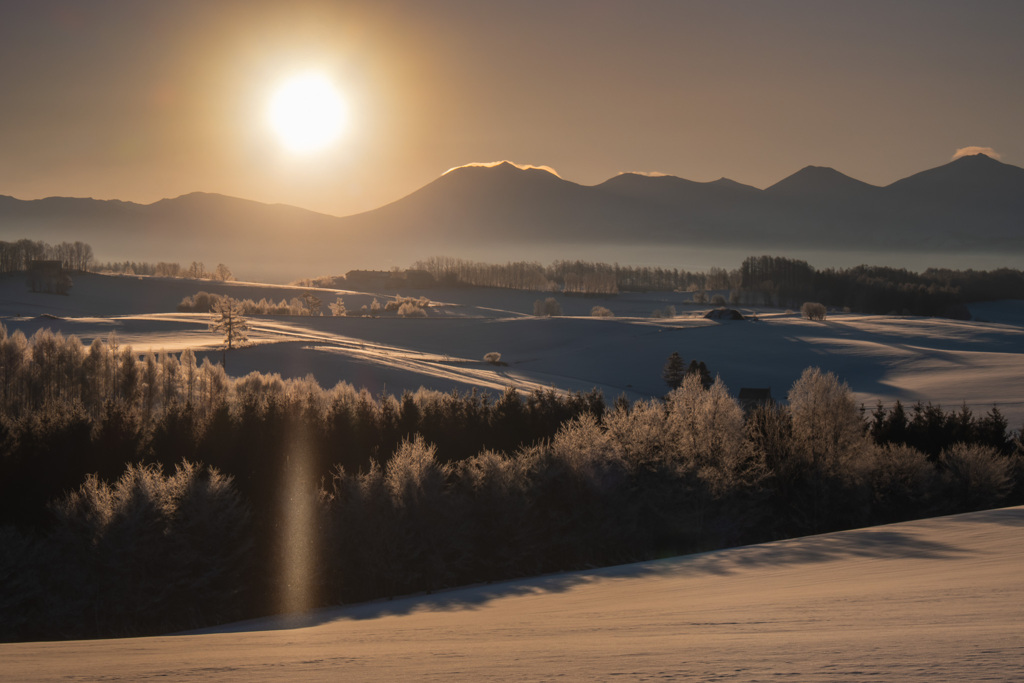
x: 972, y: 204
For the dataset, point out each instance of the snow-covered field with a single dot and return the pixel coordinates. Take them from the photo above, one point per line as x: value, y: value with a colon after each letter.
x: 933, y: 600
x: 978, y: 363
x: 939, y: 599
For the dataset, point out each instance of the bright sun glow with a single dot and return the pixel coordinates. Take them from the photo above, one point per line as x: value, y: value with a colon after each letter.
x: 307, y: 113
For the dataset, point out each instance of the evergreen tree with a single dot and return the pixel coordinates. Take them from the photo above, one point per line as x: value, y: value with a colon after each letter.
x: 674, y: 371
x: 700, y: 370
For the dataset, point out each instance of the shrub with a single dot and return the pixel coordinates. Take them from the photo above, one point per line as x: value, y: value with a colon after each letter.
x: 601, y: 312
x: 201, y: 302
x: 976, y: 477
x: 667, y: 312
x: 410, y: 310
x: 903, y: 481
x: 813, y: 311
x: 494, y: 358
x: 548, y: 307
x: 718, y: 300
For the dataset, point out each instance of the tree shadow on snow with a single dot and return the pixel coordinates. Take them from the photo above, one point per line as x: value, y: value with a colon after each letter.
x: 878, y: 543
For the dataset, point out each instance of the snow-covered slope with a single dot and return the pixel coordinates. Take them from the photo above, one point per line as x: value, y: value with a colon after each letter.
x: 939, y: 599
x: 948, y: 362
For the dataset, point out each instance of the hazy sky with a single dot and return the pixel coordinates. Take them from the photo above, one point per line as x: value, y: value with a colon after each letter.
x: 142, y: 100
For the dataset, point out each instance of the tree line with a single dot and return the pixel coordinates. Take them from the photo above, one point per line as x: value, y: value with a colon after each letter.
x: 195, y: 271
x: 778, y: 281
x: 572, y: 277
x: 15, y: 257
x: 109, y: 524
x: 760, y: 280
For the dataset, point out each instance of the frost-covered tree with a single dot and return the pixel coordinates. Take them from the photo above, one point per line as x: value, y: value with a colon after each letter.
x: 832, y: 459
x: 228, y: 320
x: 173, y: 547
x: 223, y: 273
x: 706, y: 425
x: 975, y: 476
x: 813, y: 311
x: 337, y: 308
x: 825, y: 416
x: 548, y: 307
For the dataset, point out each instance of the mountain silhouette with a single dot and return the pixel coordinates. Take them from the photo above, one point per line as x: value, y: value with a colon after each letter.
x: 974, y: 203
x: 820, y: 182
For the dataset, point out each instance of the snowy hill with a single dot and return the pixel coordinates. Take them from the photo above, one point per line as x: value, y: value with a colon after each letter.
x: 886, y: 358
x: 937, y: 599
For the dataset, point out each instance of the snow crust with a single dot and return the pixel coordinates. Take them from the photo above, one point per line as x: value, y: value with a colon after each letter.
x: 932, y: 600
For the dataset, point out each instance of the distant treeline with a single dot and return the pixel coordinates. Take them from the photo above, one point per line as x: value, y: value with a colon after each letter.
x: 196, y: 271
x: 16, y: 256
x: 761, y: 280
x: 875, y: 289
x: 570, y: 277
x: 308, y: 304
x: 310, y: 496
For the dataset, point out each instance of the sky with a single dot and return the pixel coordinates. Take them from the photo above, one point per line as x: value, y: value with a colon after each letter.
x: 120, y: 99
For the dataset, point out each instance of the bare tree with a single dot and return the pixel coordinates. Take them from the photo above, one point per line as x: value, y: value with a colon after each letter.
x: 228, y: 320
x: 223, y: 273
x: 311, y: 303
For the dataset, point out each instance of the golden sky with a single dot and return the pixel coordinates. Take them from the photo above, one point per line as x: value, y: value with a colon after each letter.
x: 122, y: 99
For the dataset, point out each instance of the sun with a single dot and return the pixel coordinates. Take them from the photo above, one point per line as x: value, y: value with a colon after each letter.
x: 307, y: 112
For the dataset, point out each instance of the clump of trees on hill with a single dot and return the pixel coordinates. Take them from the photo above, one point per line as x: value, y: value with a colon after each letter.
x: 205, y: 302
x: 16, y: 256
x: 78, y: 256
x: 104, y: 503
x: 875, y: 289
x: 307, y: 304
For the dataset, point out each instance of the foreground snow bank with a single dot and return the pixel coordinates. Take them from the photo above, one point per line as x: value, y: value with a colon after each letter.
x: 927, y: 600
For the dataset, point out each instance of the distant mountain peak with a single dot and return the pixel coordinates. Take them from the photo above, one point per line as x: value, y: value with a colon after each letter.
x: 979, y: 159
x: 977, y: 171
x: 819, y: 181
x: 502, y: 166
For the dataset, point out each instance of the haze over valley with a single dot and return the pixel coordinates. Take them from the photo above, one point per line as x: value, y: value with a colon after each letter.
x: 967, y: 213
